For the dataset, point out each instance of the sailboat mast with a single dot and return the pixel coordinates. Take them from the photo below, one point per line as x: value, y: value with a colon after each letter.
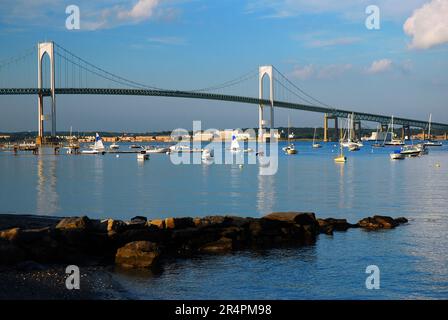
x: 429, y: 127
x: 289, y: 125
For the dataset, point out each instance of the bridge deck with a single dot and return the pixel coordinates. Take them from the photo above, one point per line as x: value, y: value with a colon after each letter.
x: 213, y: 96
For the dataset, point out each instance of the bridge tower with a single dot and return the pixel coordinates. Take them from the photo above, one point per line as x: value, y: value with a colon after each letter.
x: 265, y: 71
x: 46, y: 48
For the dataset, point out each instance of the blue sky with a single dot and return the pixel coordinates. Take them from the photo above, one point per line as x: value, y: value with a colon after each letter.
x: 323, y: 46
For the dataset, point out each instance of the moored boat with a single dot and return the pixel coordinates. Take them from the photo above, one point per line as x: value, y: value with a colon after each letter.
x: 235, y: 146
x: 341, y: 158
x: 413, y: 150
x: 430, y: 142
x: 97, y: 148
x: 315, y: 145
x: 397, y: 155
x: 206, y: 155
x: 157, y: 149
x: 114, y: 146
x: 142, y: 156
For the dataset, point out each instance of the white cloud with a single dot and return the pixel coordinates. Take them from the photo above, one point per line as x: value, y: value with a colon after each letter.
x: 349, y: 9
x: 320, y: 72
x: 98, y: 14
x: 379, y: 66
x: 428, y: 25
x: 319, y: 43
x: 142, y: 10
x: 303, y: 73
x: 333, y: 70
x: 167, y: 40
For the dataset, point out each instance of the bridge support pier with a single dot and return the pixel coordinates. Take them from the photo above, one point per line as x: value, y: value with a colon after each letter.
x: 45, y: 48
x: 326, y: 129
x: 356, y: 130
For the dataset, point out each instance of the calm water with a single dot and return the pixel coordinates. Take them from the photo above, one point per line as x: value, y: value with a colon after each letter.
x: 413, y: 259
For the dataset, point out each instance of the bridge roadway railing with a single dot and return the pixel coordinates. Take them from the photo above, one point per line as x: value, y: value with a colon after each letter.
x: 222, y: 97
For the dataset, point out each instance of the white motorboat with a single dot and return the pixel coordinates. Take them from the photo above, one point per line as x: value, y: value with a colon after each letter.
x: 394, y: 143
x: 114, y: 146
x: 92, y: 151
x: 397, y: 155
x: 183, y: 148
x: 353, y: 147
x: 142, y: 156
x: 431, y: 143
x: 207, y: 155
x: 72, y: 149
x: 413, y: 150
x: 290, y: 148
x: 157, y: 149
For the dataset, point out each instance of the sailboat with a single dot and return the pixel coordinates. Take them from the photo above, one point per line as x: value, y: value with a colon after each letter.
x: 289, y: 149
x: 73, y: 144
x: 430, y: 142
x: 97, y: 148
x: 235, y: 146
x: 341, y: 158
x: 393, y: 141
x: 349, y: 143
x: 377, y: 144
x: 315, y: 145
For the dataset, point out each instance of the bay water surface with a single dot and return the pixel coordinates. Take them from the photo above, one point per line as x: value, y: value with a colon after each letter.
x: 413, y: 259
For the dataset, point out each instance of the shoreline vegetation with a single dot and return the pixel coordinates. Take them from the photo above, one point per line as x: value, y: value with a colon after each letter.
x: 33, y: 248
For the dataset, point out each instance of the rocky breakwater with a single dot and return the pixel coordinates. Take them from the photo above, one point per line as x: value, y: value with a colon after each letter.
x: 142, y: 243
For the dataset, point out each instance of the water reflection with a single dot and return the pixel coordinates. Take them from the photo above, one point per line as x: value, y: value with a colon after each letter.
x: 47, y: 196
x: 98, y: 183
x: 341, y: 185
x: 266, y: 192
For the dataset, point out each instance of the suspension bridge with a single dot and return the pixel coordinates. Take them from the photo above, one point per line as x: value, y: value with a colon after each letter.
x: 66, y: 73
